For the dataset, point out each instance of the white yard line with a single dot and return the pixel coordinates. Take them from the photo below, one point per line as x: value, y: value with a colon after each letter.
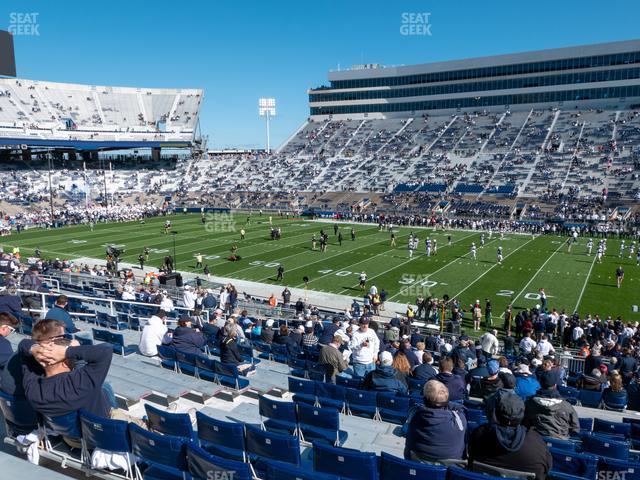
x: 586, y: 281
x: 562, y: 244
x: 488, y: 270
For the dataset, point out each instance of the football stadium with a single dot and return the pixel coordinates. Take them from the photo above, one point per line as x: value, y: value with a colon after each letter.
x: 203, y: 260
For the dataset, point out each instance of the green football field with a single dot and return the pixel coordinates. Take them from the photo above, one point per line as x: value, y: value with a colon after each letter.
x: 571, y: 280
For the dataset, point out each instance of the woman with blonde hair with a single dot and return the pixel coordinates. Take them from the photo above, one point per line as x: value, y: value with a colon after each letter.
x: 614, y: 396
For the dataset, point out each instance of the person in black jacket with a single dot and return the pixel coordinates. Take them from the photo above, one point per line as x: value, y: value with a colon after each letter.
x: 51, y: 383
x: 267, y: 333
x: 8, y: 325
x: 229, y: 352
x: 508, y: 444
x: 425, y: 371
x: 186, y: 339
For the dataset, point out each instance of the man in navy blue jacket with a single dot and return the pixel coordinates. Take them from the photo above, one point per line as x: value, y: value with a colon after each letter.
x: 51, y: 383
x: 436, y: 429
x: 456, y: 384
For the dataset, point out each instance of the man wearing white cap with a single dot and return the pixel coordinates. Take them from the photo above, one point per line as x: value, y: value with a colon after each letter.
x: 365, y: 345
x: 385, y: 378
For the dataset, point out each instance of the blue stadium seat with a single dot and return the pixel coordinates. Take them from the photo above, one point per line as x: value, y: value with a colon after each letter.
x: 223, y: 439
x: 303, y: 390
x: 616, y: 401
x: 612, y: 428
x: 605, y: 446
x: 591, y: 399
x: 344, y: 462
x: 176, y: 424
x: 263, y: 348
x: 19, y: 416
x: 586, y: 424
x: 634, y: 432
x: 476, y: 416
x: 278, y: 416
x: 492, y: 470
x: 205, y: 466
x: 577, y: 464
x: 626, y: 470
x: 105, y: 434
x: 168, y: 357
x: 566, y: 445
x: 229, y: 376
x: 283, y: 471
x: 457, y: 473
x: 165, y: 455
x: 392, y: 408
x: 101, y: 335
x: 206, y: 368
x: 570, y: 394
x: 187, y: 363
x: 279, y: 353
x: 317, y: 423
x: 362, y: 403
x: 415, y: 385
x: 329, y: 395
x: 562, y: 476
x: 395, y: 468
x: 298, y: 367
x: 349, y: 382
x: 67, y: 426
x: 265, y: 447
x: 119, y: 345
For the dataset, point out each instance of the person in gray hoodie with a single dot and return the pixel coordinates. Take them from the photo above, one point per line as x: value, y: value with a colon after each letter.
x: 548, y: 413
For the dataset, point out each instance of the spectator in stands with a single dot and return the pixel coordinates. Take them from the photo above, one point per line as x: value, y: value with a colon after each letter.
x: 229, y: 352
x: 436, y: 430
x: 267, y: 333
x: 493, y: 382
x: 456, y: 384
x: 210, y: 329
x: 385, y: 378
x: 364, y: 345
x: 326, y: 337
x: 489, y: 343
x: 10, y: 301
x: 594, y: 381
x: 425, y: 371
x: 627, y: 365
x: 548, y: 413
x: 189, y: 297
x: 154, y: 334
x: 334, y: 361
x: 544, y: 347
x: 526, y: 383
x: 8, y: 325
x: 53, y: 383
x: 59, y: 312
x: 185, y: 338
x: 614, y: 397
x: 401, y: 364
x: 527, y: 344
x: 309, y: 338
x: 507, y: 443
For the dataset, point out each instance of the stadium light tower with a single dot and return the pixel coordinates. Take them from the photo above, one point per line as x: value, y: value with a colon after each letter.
x: 267, y: 109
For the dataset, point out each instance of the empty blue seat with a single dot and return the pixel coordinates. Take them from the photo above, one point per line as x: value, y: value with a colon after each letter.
x: 229, y: 376
x: 349, y: 382
x: 605, y: 446
x: 415, y: 385
x: 303, y: 390
x: 223, y: 439
x: 395, y: 468
x: 330, y: 395
x: 589, y: 398
x: 176, y: 424
x: 19, y: 416
x: 205, y: 466
x: 119, y: 345
x: 567, y: 445
x: 362, y: 403
x: 392, y: 408
x: 206, y: 368
x: 476, y: 416
x: 625, y: 470
x: 168, y: 357
x: 586, y: 424
x: 572, y: 463
x: 279, y: 353
x: 265, y: 447
x: 317, y: 423
x: 344, y: 462
x: 298, y: 367
x: 100, y: 335
x: 158, y: 451
x: 612, y: 428
x: 278, y: 416
x: 186, y: 363
x: 283, y: 471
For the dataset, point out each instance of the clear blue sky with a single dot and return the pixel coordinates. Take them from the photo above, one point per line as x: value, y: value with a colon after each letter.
x: 240, y: 50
